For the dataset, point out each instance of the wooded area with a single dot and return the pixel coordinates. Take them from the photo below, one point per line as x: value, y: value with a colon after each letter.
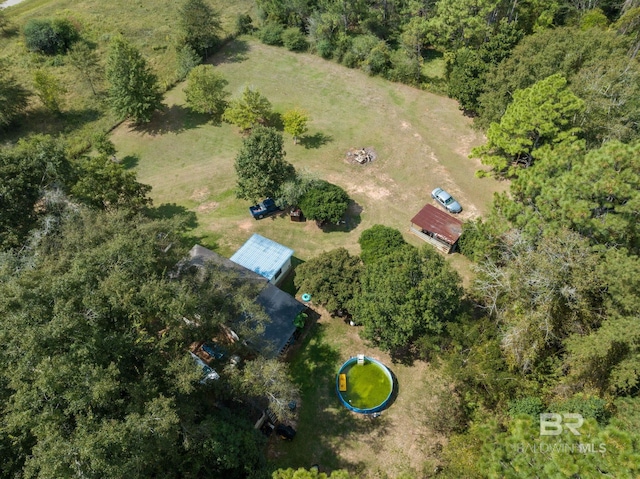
x: 95, y: 380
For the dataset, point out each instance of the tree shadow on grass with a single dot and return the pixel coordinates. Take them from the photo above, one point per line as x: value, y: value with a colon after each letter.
x: 172, y: 211
x: 315, y: 141
x: 172, y: 119
x: 41, y: 120
x: 233, y: 52
x: 352, y: 219
x: 130, y: 161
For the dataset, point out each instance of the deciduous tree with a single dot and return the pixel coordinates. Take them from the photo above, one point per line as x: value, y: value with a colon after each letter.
x: 260, y: 165
x: 86, y: 61
x: 541, y: 295
x: 103, y: 183
x: 267, y: 379
x: 295, y: 123
x: 379, y: 241
x: 27, y: 171
x: 407, y: 297
x: 49, y: 89
x: 134, y: 92
x: 248, y: 110
x: 200, y: 25
x: 332, y: 278
x: 324, y: 202
x: 205, y: 91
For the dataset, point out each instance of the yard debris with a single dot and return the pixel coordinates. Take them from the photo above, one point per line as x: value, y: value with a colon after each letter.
x: 361, y: 156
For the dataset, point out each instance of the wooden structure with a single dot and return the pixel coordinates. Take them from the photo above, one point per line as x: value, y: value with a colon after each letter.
x: 296, y: 215
x: 437, y: 228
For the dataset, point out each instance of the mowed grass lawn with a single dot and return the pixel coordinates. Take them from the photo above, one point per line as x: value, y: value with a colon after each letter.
x: 422, y: 141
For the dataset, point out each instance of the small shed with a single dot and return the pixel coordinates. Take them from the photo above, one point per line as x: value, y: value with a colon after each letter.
x: 437, y: 228
x: 265, y: 257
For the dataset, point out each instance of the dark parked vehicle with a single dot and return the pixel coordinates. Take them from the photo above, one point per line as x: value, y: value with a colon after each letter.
x: 286, y: 433
x: 446, y: 200
x: 264, y: 208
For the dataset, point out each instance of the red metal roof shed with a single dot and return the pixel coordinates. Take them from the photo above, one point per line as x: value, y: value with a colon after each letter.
x: 441, y: 224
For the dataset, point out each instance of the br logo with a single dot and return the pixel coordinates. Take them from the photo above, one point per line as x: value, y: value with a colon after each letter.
x: 552, y: 424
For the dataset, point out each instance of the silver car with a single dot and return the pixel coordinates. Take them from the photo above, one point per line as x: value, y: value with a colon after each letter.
x: 446, y: 200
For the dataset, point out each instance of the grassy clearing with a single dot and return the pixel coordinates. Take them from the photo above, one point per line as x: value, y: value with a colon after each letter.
x: 422, y: 141
x: 329, y: 435
x: 150, y: 26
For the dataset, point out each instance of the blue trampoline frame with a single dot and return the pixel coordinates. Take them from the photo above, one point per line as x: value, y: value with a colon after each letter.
x: 383, y: 405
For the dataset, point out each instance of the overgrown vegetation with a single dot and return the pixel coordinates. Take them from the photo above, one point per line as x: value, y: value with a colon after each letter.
x: 549, y: 324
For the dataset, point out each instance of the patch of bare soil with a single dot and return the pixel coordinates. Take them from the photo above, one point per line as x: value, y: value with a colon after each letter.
x: 246, y: 225
x: 200, y: 194
x: 207, y: 207
x: 375, y: 192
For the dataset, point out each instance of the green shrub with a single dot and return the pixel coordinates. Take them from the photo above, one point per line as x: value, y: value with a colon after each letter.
x: 532, y: 406
x: 324, y: 48
x: 404, y: 69
x: 187, y: 60
x: 324, y: 202
x: 271, y: 34
x: 49, y: 37
x: 350, y: 60
x: 244, y: 24
x: 294, y: 39
x: 378, y: 242
x: 378, y: 60
x: 588, y: 406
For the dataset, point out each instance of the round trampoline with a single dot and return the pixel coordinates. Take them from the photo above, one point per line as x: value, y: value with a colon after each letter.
x: 364, y: 385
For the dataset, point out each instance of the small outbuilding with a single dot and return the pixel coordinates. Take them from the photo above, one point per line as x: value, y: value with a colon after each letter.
x: 437, y: 228
x: 265, y: 257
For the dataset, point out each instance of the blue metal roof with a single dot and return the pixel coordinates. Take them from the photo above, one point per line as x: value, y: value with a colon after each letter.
x: 262, y: 255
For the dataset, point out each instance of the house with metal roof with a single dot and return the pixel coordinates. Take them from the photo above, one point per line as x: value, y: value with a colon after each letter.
x: 437, y: 228
x: 280, y: 307
x: 264, y: 257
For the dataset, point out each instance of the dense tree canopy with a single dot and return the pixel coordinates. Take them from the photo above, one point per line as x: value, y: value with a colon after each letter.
x: 541, y: 295
x: 27, y: 172
x: 99, y: 382
x: 592, y: 192
x: 260, y: 165
x: 105, y: 184
x: 332, y: 279
x: 538, y: 116
x: 406, y: 299
x: 596, y: 66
